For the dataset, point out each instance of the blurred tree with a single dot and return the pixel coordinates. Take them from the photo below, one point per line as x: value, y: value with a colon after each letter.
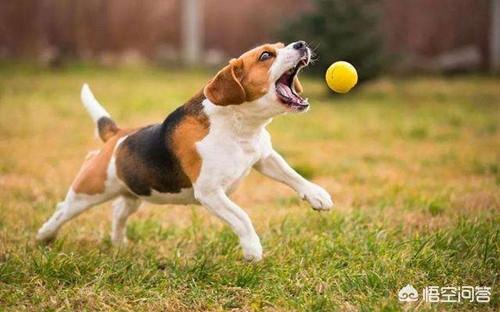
x: 341, y: 30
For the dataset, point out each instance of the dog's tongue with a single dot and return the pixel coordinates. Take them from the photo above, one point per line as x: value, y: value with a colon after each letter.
x: 288, y: 92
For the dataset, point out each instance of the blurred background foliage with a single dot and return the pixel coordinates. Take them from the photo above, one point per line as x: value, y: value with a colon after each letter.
x: 416, y: 36
x: 342, y: 30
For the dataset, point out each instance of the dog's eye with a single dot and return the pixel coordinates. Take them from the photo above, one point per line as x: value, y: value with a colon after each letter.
x: 265, y: 56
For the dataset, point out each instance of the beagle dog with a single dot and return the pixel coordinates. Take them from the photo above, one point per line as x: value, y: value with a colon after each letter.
x: 201, y: 152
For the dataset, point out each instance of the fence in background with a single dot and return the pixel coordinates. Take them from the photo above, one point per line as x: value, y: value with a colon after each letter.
x: 151, y: 29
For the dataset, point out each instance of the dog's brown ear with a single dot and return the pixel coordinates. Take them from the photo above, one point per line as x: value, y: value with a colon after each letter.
x: 225, y: 88
x: 297, y: 85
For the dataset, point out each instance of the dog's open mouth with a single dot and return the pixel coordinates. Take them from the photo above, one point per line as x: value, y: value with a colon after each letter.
x: 285, y: 89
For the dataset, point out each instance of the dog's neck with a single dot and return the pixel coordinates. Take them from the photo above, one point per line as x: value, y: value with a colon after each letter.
x: 245, y: 120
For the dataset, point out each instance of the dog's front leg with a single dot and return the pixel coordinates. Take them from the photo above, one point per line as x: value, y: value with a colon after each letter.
x: 216, y: 201
x: 275, y: 167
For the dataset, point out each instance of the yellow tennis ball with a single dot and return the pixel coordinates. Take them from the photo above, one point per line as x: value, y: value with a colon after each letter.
x: 341, y: 77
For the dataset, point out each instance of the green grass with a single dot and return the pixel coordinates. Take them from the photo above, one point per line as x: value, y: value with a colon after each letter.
x: 411, y: 163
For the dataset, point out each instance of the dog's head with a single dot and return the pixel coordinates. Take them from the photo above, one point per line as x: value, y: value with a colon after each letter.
x: 265, y: 77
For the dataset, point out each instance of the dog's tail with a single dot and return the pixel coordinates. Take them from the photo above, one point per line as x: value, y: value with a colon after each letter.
x: 105, y: 126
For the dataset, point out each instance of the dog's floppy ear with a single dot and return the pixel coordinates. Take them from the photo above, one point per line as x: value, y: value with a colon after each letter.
x: 225, y: 88
x: 297, y: 86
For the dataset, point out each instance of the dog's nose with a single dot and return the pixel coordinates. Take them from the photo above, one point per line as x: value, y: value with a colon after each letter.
x: 299, y: 45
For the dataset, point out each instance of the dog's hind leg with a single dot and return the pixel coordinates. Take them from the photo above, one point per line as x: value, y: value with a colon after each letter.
x: 123, y: 207
x: 73, y: 205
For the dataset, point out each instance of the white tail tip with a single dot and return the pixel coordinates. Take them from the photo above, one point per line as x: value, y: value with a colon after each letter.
x: 95, y: 109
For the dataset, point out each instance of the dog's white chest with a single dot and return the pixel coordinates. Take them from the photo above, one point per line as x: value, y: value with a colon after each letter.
x: 229, y: 151
x: 248, y: 153
x: 226, y: 160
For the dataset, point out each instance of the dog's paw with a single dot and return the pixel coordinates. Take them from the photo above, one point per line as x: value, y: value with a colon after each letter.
x: 317, y: 197
x: 252, y: 249
x: 118, y: 242
x: 45, y: 236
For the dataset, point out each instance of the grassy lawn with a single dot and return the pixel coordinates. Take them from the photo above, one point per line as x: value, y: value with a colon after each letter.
x: 412, y: 164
